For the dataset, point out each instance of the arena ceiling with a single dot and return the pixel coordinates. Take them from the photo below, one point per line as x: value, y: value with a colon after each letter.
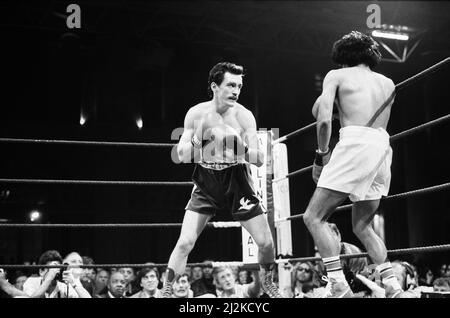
x: 300, y: 27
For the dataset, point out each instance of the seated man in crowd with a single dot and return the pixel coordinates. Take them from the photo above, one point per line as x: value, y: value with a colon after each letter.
x: 115, y: 287
x: 182, y: 287
x: 101, y: 280
x: 227, y: 287
x: 196, y: 273
x: 148, y: 279
x: 441, y: 285
x: 84, y: 289
x: 130, y: 277
x: 204, y: 285
x: 89, y: 273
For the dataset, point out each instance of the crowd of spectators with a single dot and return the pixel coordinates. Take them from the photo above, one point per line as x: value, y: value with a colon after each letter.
x: 308, y: 280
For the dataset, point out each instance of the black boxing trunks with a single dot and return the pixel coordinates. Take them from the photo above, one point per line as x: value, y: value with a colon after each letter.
x: 224, y: 188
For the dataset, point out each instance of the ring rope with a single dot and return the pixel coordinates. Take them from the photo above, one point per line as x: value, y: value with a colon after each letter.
x: 398, y: 87
x: 413, y: 130
x: 392, y: 138
x: 390, y: 197
x: 422, y: 74
x: 117, y: 182
x: 402, y: 251
x: 412, y: 250
x: 85, y: 142
x: 218, y: 225
x: 34, y: 266
x: 294, y: 133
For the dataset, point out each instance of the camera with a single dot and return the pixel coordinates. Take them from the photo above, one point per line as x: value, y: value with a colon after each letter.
x: 355, y: 283
x: 61, y: 270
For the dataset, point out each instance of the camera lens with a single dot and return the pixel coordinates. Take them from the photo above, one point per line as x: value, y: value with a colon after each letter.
x: 61, y: 270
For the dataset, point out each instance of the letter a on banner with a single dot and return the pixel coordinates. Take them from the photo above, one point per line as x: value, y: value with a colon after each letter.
x: 259, y: 176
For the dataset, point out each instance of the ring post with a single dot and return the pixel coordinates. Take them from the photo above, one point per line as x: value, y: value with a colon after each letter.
x: 259, y: 178
x: 281, y: 202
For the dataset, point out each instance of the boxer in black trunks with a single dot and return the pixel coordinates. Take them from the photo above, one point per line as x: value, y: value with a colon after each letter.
x: 220, y: 137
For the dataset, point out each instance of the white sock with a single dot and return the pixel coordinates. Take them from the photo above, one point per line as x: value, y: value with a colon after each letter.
x: 387, y: 275
x: 334, y: 268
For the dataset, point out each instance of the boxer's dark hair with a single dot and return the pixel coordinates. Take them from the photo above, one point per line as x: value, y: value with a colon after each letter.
x: 216, y: 74
x: 356, y: 48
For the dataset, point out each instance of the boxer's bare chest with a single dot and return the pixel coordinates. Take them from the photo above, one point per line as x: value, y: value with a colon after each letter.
x: 230, y: 118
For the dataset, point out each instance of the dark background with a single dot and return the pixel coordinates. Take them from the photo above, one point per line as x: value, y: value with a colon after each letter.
x: 134, y: 59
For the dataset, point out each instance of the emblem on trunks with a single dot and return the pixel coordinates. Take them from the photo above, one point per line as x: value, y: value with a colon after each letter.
x: 245, y: 204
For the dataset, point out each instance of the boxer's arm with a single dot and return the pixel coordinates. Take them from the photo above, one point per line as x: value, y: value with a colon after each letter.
x: 248, y: 123
x: 315, y: 107
x: 185, y: 149
x: 325, y: 110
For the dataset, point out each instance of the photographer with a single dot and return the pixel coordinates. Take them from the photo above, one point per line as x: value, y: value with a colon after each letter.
x: 53, y: 282
x: 73, y: 274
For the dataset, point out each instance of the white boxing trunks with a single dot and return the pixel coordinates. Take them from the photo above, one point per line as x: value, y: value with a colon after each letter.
x: 360, y: 164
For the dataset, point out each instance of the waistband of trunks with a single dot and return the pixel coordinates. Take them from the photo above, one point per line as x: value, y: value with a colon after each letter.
x: 218, y: 165
x: 377, y: 135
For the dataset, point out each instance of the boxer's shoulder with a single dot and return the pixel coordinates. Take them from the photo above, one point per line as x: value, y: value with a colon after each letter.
x: 200, y: 107
x: 198, y: 110
x: 242, y: 111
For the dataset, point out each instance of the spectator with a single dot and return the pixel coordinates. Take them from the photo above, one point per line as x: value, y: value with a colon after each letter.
x: 447, y: 271
x: 148, y: 279
x: 86, y: 278
x: 244, y: 276
x: 228, y: 288
x: 426, y: 279
x: 101, y: 280
x: 162, y: 275
x: 205, y: 285
x: 441, y: 284
x: 443, y: 270
x: 49, y: 283
x: 115, y: 287
x: 404, y: 273
x: 7, y: 290
x: 182, y: 287
x: 197, y: 273
x: 304, y: 280
x: 188, y: 270
x: 130, y: 277
x: 20, y: 280
x: 88, y: 272
x: 75, y: 272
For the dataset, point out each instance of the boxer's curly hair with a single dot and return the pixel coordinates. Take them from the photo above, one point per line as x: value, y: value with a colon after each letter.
x: 356, y: 48
x: 216, y: 74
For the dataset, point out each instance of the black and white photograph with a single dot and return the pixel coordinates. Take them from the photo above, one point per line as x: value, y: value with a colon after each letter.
x: 243, y: 150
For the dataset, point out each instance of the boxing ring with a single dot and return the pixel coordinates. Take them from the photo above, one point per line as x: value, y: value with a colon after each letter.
x: 275, y: 183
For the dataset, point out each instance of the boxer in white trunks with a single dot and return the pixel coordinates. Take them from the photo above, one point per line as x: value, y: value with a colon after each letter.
x: 359, y: 167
